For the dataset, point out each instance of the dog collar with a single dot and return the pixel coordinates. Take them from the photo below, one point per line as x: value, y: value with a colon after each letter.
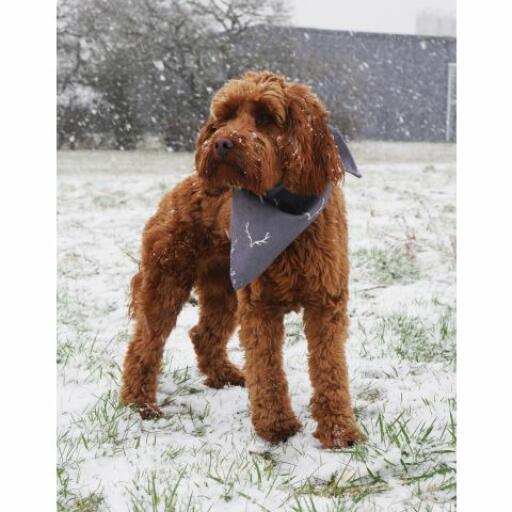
x: 263, y: 227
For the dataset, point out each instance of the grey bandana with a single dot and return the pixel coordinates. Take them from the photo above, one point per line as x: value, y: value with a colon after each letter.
x: 263, y: 227
x: 346, y: 156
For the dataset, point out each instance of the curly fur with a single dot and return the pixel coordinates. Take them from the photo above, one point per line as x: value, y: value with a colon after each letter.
x: 279, y: 132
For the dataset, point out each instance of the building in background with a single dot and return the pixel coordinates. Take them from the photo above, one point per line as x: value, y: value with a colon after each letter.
x: 376, y: 86
x: 436, y: 23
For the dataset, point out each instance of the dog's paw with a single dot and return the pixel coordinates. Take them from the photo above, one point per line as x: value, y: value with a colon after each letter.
x: 334, y: 434
x: 278, y: 429
x: 229, y: 374
x: 150, y: 412
x: 147, y: 409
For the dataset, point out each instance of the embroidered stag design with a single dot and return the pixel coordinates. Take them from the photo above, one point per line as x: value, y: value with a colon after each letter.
x: 252, y: 242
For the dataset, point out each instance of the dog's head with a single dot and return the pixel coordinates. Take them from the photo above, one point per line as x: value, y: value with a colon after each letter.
x: 263, y: 130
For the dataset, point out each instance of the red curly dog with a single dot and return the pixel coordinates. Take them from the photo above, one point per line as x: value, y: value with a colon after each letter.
x: 186, y: 245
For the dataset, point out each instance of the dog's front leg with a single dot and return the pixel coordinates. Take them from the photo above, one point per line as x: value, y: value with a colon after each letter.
x: 326, y: 328
x: 262, y: 335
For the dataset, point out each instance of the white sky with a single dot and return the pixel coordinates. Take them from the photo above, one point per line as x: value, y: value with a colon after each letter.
x: 397, y: 16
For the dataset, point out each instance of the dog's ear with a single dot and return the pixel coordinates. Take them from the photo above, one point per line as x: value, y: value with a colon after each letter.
x: 309, y: 156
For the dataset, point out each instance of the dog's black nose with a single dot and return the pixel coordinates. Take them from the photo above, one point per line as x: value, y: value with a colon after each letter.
x: 223, y: 145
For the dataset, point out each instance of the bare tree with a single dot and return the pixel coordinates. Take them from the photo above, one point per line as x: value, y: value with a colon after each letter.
x: 150, y: 65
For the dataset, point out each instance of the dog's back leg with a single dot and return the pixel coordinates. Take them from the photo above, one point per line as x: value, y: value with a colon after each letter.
x: 159, y: 291
x: 218, y: 319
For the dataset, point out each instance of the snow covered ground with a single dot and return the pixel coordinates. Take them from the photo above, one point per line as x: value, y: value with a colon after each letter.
x: 203, y: 455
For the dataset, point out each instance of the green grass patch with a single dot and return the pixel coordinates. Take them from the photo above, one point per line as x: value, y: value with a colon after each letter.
x: 148, y: 494
x: 70, y: 500
x: 414, y: 339
x: 388, y: 266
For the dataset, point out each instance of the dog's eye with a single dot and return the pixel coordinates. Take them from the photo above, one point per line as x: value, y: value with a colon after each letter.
x: 230, y: 114
x: 264, y: 119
